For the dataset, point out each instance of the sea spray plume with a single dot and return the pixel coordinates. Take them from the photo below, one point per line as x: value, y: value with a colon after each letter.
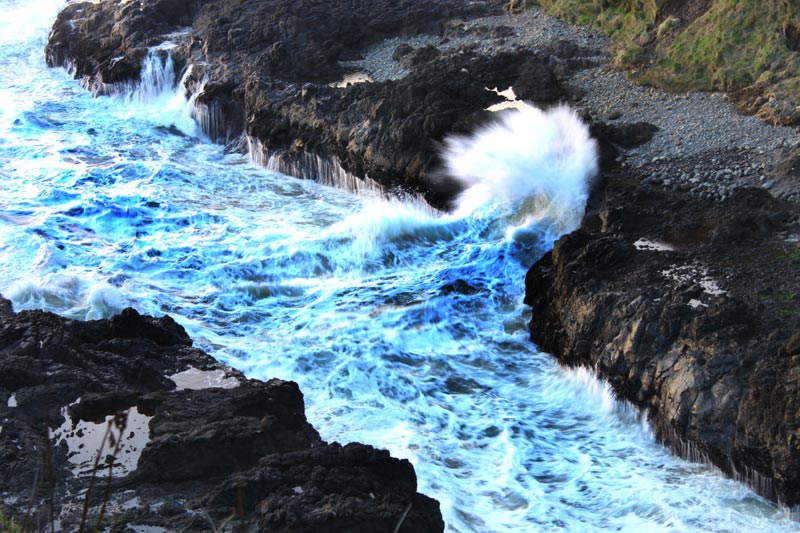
x: 534, y: 164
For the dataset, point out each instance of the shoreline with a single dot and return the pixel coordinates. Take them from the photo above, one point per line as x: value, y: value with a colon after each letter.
x: 690, y: 195
x: 691, y: 126
x: 195, y: 444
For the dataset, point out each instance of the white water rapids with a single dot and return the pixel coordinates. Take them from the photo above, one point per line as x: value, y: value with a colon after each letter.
x: 405, y: 329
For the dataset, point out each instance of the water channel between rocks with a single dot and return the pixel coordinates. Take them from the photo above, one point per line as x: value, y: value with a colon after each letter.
x: 404, y: 328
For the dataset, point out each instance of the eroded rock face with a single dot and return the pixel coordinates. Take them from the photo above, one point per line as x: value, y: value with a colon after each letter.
x: 390, y: 131
x: 688, y: 309
x: 106, y: 42
x: 265, y: 71
x: 245, y: 451
x: 295, y: 41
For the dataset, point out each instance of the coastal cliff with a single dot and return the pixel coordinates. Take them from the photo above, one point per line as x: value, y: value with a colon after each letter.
x: 697, y: 323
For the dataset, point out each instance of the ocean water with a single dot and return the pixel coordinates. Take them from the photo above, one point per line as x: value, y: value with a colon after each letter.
x: 404, y: 327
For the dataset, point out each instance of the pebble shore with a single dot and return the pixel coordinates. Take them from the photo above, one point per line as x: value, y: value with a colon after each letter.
x: 704, y: 146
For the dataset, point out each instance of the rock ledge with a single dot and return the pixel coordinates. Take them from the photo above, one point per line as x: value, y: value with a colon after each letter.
x: 689, y: 309
x: 191, y: 457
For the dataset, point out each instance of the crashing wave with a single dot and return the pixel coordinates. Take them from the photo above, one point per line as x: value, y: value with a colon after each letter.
x: 538, y: 164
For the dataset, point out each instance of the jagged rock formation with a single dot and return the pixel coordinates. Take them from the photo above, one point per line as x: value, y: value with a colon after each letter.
x: 688, y: 309
x: 265, y: 71
x: 194, y: 455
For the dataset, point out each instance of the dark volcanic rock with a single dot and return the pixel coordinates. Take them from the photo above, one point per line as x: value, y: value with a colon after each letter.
x: 625, y: 135
x: 702, y: 335
x: 784, y: 174
x: 263, y: 71
x: 242, y: 455
x: 388, y: 131
x: 303, y: 40
x: 106, y: 42
x: 366, y: 502
x: 537, y: 82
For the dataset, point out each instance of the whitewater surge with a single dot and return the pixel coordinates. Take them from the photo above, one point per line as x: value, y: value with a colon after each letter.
x: 526, y: 178
x: 160, y: 96
x: 538, y: 164
x: 405, y: 328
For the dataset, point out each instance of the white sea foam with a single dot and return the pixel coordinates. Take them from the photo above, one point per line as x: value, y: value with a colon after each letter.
x: 27, y: 20
x: 78, y: 295
x: 541, y: 162
x: 159, y: 96
x: 533, y: 167
x: 327, y: 171
x: 391, y: 223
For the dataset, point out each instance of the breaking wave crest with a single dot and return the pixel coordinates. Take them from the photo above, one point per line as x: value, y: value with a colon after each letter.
x: 526, y: 180
x: 537, y: 164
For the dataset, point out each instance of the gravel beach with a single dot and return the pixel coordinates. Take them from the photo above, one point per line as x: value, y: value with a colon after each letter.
x: 703, y: 145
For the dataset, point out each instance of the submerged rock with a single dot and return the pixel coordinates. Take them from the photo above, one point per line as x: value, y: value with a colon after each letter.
x: 244, y: 456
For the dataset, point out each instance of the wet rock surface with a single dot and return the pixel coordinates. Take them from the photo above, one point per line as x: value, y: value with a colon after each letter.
x: 236, y: 458
x: 266, y: 75
x: 688, y: 308
x: 391, y: 131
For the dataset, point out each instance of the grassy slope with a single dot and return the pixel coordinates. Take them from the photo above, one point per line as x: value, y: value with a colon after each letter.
x: 739, y: 46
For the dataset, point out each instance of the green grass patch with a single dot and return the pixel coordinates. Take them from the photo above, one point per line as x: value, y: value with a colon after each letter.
x: 733, y: 46
x: 728, y: 48
x: 518, y: 5
x: 8, y: 525
x: 625, y: 21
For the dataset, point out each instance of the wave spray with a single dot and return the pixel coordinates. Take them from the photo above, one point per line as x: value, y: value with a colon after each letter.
x: 537, y: 164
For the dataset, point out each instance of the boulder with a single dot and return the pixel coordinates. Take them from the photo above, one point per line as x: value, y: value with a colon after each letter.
x: 190, y: 456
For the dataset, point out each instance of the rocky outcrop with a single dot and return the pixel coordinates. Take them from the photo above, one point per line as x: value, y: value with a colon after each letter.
x: 106, y: 43
x: 688, y: 309
x: 389, y: 131
x: 200, y: 446
x: 264, y: 77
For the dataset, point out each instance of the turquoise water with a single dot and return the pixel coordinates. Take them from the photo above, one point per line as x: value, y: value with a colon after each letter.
x: 404, y: 327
